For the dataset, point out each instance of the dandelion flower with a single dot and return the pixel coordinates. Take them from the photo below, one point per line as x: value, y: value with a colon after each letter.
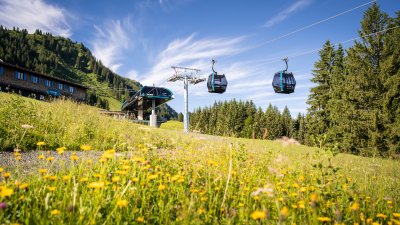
x: 23, y: 186
x: 381, y: 215
x: 6, y: 192
x: 6, y: 175
x: 55, y: 212
x: 41, y: 156
x: 74, y: 157
x: 116, y: 179
x: 96, y: 185
x: 122, y: 203
x: 258, y: 215
x: 324, y: 219
x: 1, y: 169
x: 50, y: 159
x: 61, y: 150
x: 86, y: 147
x: 52, y: 188
x: 397, y: 215
x: 162, y: 187
x: 355, y: 206
x: 41, y: 143
x: 66, y: 177
x: 140, y: 219
x: 284, y: 211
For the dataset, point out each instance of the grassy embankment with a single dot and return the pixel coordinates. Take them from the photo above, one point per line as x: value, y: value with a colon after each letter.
x: 167, y: 177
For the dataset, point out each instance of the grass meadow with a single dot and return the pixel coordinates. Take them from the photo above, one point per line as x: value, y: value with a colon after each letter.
x: 64, y: 163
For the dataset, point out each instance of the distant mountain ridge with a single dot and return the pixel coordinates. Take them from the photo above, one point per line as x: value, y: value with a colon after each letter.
x: 72, y: 61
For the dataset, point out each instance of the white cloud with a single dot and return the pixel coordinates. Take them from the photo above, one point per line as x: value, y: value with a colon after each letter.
x: 189, y: 52
x: 34, y: 14
x: 111, y: 40
x: 286, y: 13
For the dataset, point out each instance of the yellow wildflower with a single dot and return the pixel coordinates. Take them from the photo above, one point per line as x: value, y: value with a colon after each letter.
x: 23, y: 186
x: 86, y: 147
x: 42, y: 171
x: 135, y: 179
x: 381, y: 215
x: 258, y: 215
x: 314, y: 197
x: 241, y: 205
x: 41, y: 156
x: 6, y: 192
x: 74, y: 157
x: 284, y: 212
x: 162, y: 187
x: 61, y: 150
x: 55, y: 212
x: 50, y: 159
x: 397, y: 215
x: 140, y: 219
x: 324, y: 219
x: 116, y: 179
x: 355, y: 206
x: 52, y: 189
x: 84, y: 179
x: 122, y: 203
x: 1, y: 169
x: 6, y: 175
x: 96, y: 185
x: 152, y: 177
x: 41, y: 143
x: 66, y: 177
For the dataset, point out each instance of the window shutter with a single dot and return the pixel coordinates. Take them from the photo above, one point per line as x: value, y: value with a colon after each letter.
x: 16, y: 74
x: 24, y: 76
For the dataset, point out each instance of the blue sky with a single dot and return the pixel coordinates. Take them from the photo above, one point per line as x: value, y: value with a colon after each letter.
x: 142, y: 39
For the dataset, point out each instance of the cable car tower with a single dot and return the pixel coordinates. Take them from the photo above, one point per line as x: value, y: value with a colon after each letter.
x: 188, y: 75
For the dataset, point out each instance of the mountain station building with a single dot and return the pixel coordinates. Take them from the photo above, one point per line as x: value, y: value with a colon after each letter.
x: 37, y: 85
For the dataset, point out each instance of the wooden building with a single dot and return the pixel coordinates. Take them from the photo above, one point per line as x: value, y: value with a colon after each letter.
x: 37, y: 85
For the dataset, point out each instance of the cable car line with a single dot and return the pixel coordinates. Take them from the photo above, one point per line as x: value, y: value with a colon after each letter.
x: 314, y: 24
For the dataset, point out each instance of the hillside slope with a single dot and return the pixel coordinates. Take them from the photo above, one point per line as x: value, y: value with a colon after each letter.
x: 159, y: 176
x: 63, y: 58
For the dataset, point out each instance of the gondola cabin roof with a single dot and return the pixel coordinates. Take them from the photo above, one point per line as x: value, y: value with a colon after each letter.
x: 144, y: 97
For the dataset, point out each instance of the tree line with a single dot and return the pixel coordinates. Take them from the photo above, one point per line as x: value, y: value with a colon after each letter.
x: 354, y: 106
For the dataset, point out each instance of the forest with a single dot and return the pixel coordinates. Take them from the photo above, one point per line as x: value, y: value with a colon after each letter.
x: 353, y: 107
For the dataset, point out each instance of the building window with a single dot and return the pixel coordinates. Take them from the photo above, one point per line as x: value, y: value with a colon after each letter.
x: 48, y: 83
x: 60, y: 86
x: 71, y: 89
x: 20, y: 75
x: 35, y: 79
x: 1, y: 70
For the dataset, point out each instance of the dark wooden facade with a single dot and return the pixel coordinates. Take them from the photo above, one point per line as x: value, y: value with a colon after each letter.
x: 37, y: 85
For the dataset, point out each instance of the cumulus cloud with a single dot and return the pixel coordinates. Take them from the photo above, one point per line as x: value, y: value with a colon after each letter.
x: 34, y: 14
x: 298, y: 5
x: 111, y: 39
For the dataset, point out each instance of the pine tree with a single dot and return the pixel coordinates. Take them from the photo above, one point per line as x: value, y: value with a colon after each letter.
x: 318, y: 112
x: 363, y: 93
x: 391, y: 75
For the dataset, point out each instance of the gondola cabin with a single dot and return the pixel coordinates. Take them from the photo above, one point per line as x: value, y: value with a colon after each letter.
x: 284, y: 82
x: 216, y: 83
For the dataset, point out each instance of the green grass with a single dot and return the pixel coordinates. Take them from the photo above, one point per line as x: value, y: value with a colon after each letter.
x: 172, y: 125
x: 160, y: 176
x: 115, y: 105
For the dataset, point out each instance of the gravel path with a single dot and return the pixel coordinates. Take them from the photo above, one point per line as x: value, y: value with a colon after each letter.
x: 29, y: 159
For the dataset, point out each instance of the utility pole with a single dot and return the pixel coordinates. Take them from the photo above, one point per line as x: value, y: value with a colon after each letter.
x: 188, y: 75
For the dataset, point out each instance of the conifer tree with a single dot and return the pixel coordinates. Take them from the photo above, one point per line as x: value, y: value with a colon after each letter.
x: 363, y: 119
x: 318, y: 112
